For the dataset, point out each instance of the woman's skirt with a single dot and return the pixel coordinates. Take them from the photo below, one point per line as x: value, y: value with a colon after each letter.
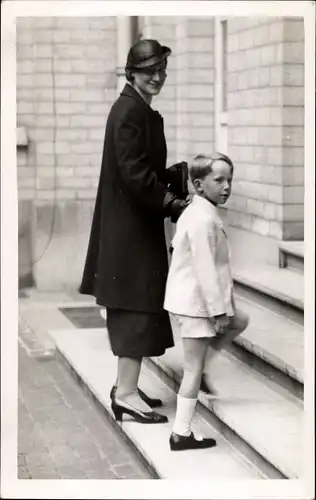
x: 136, y: 334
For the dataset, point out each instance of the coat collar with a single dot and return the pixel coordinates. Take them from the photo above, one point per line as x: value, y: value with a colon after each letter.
x: 129, y: 91
x: 207, y: 207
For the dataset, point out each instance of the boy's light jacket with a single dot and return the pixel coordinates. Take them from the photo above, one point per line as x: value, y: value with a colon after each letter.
x: 200, y: 280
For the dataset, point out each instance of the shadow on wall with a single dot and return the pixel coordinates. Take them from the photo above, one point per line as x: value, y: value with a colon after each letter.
x: 59, y: 251
x: 52, y: 258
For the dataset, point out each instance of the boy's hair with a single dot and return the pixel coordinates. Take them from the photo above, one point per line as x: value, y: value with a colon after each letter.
x: 202, y: 165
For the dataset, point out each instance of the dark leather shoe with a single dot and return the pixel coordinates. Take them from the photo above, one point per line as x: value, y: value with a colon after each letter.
x: 180, y: 443
x: 206, y: 387
x: 152, y: 402
x: 150, y: 417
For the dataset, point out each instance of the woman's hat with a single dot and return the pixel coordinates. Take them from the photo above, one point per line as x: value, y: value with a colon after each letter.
x: 146, y: 53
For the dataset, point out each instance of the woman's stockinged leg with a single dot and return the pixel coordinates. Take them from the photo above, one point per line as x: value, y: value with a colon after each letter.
x: 128, y: 370
x: 127, y: 383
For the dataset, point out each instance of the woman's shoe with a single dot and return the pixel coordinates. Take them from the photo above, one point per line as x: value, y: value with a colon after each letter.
x: 150, y: 417
x: 180, y: 443
x: 152, y: 402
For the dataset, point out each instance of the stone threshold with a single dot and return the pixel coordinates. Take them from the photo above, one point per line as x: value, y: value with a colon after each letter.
x: 293, y: 247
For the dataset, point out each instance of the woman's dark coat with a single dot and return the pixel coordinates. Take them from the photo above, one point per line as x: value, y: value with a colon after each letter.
x: 126, y: 265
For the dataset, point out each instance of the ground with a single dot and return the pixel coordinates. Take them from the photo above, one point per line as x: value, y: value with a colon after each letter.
x: 62, y: 434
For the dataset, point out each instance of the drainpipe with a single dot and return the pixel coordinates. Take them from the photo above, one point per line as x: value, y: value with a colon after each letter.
x: 125, y: 35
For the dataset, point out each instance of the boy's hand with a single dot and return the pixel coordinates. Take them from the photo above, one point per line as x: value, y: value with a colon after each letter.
x: 221, y: 323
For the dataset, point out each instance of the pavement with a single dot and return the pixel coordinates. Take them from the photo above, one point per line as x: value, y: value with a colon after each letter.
x: 62, y: 433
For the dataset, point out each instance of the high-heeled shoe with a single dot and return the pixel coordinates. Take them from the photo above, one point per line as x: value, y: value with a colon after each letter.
x: 150, y: 417
x: 152, y: 402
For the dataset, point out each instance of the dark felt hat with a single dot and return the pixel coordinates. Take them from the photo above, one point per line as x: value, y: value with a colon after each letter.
x: 146, y: 53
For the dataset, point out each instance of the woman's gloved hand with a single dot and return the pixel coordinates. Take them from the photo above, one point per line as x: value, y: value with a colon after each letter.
x: 177, y: 206
x: 177, y: 176
x: 174, y: 206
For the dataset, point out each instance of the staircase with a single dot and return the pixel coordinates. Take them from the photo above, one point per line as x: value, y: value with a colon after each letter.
x: 260, y: 378
x: 291, y: 255
x: 257, y: 417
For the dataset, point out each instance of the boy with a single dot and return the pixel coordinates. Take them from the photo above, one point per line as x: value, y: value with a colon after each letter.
x: 199, y: 291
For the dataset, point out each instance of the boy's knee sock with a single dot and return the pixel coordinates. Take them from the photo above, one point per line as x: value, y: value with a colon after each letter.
x: 184, y: 415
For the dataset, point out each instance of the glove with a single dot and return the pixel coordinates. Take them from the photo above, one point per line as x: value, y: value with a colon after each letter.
x: 177, y: 176
x: 176, y: 208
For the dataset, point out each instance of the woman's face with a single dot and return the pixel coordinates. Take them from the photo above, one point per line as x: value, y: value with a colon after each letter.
x: 150, y: 81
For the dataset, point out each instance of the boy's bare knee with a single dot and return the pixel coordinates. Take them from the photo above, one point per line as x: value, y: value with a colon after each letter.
x: 240, y: 321
x: 242, y: 317
x: 243, y: 320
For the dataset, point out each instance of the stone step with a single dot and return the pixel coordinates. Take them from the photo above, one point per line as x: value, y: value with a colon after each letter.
x: 277, y: 341
x: 80, y: 346
x: 279, y: 290
x: 291, y: 255
x: 273, y: 368
x: 88, y: 354
x: 259, y: 412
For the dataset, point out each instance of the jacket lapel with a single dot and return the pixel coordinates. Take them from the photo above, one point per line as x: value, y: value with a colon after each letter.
x: 129, y: 91
x: 211, y: 210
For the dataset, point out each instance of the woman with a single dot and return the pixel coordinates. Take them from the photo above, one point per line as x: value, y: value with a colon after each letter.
x: 127, y: 265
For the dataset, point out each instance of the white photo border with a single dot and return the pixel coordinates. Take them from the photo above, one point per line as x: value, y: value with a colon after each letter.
x: 11, y: 487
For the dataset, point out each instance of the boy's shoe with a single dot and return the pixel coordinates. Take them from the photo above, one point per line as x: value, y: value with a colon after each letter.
x: 180, y: 443
x: 206, y: 387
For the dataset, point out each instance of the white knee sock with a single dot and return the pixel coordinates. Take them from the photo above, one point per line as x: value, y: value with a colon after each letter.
x: 184, y: 415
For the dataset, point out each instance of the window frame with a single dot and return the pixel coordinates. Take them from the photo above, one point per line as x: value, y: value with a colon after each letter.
x: 221, y: 117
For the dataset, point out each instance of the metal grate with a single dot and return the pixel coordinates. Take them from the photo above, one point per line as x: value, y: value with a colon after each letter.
x: 84, y: 317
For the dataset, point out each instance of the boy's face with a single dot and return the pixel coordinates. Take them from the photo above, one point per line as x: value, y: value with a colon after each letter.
x: 216, y: 186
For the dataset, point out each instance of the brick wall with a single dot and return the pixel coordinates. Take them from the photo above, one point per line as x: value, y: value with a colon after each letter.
x: 65, y: 87
x: 293, y: 129
x: 195, y: 86
x: 66, y: 83
x: 163, y: 29
x: 265, y: 125
x: 187, y: 100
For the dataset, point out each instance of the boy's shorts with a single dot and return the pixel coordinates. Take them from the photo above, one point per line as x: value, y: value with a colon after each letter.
x: 198, y: 327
